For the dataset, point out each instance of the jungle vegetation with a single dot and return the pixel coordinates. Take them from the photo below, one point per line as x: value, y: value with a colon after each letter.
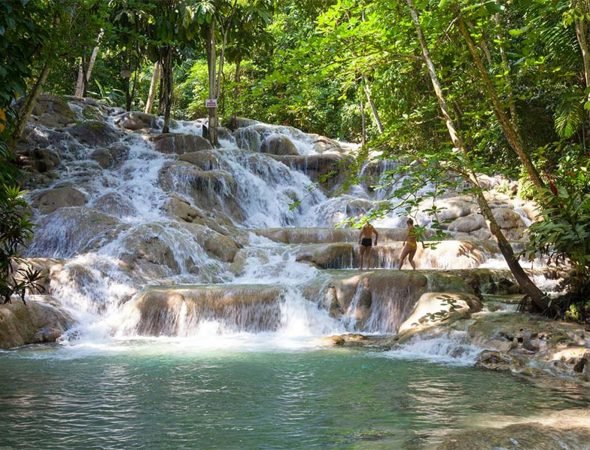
x: 464, y: 87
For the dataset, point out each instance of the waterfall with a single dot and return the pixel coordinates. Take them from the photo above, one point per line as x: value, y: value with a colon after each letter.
x: 192, y: 241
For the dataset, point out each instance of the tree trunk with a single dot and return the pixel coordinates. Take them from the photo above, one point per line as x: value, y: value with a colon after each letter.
x: 508, y: 129
x: 374, y: 111
x: 506, y: 69
x: 29, y: 103
x: 528, y: 287
x: 149, y: 104
x: 167, y: 87
x: 93, y: 57
x: 582, y: 35
x: 238, y: 74
x: 363, y: 122
x: 212, y: 63
x: 79, y: 92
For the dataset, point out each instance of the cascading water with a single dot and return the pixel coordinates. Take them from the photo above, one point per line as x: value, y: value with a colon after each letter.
x: 151, y: 242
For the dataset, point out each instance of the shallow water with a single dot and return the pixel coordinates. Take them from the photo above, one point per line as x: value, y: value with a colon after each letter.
x: 161, y: 395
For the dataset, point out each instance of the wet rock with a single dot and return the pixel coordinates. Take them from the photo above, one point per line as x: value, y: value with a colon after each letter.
x: 278, y: 145
x: 149, y: 252
x: 44, y: 160
x: 103, y: 157
x: 233, y: 123
x: 236, y: 308
x: 467, y: 224
x: 435, y: 307
x: 248, y: 138
x: 94, y: 133
x: 221, y: 247
x: 114, y: 204
x: 450, y: 209
x: 508, y: 218
x: 495, y: 360
x: 204, y: 159
x: 182, y: 209
x: 49, y: 201
x: 173, y: 143
x: 322, y: 144
x: 52, y: 111
x: 224, y: 134
x: 212, y: 190
x: 39, y: 321
x: 119, y: 152
x: 524, y: 436
x: 135, y: 120
x: 326, y: 169
x: 328, y: 256
x: 390, y: 294
x: 216, y: 221
x: 110, y: 157
x: 72, y: 230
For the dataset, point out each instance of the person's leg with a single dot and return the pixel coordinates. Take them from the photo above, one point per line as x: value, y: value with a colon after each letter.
x: 403, y: 256
x: 411, y: 258
x: 362, y: 256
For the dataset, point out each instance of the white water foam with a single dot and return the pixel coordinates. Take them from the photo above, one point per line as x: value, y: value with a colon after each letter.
x: 453, y: 348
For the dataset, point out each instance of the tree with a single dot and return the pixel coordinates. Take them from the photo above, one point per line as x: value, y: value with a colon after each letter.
x: 538, y: 298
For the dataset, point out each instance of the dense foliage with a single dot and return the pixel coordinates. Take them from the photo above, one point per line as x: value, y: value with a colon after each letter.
x: 514, y: 76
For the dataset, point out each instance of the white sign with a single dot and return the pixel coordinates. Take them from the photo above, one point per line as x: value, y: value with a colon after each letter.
x: 211, y: 103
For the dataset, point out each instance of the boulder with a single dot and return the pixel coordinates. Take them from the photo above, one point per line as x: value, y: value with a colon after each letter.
x: 44, y: 160
x: 119, y: 153
x: 233, y: 123
x: 468, y: 223
x: 322, y: 144
x: 327, y: 169
x: 94, y: 133
x: 537, y: 434
x: 338, y: 255
x: 114, y: 204
x: 384, y: 298
x: 52, y: 111
x: 450, y: 209
x: 278, y: 145
x: 219, y: 246
x: 72, y: 230
x: 103, y: 157
x: 135, y: 120
x: 49, y: 201
x: 145, y: 250
x: 176, y: 143
x: 204, y: 160
x: 111, y: 156
x: 248, y: 138
x: 40, y: 320
x: 507, y: 218
x: 435, y: 307
x: 211, y: 190
x: 166, y: 311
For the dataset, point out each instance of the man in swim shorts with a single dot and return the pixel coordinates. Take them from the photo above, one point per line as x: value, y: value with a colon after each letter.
x: 366, y: 243
x: 410, y: 246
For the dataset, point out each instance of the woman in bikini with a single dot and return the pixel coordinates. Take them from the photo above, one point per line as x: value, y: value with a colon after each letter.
x: 410, y: 246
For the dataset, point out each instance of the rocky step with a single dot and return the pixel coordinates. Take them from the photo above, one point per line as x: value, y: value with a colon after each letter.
x: 502, y: 302
x: 329, y: 235
x: 440, y: 255
x: 178, y: 310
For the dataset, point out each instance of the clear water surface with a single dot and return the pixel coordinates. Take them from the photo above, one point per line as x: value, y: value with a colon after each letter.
x: 167, y: 396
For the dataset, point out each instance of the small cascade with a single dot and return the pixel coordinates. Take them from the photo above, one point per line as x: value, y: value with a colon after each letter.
x: 453, y: 348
